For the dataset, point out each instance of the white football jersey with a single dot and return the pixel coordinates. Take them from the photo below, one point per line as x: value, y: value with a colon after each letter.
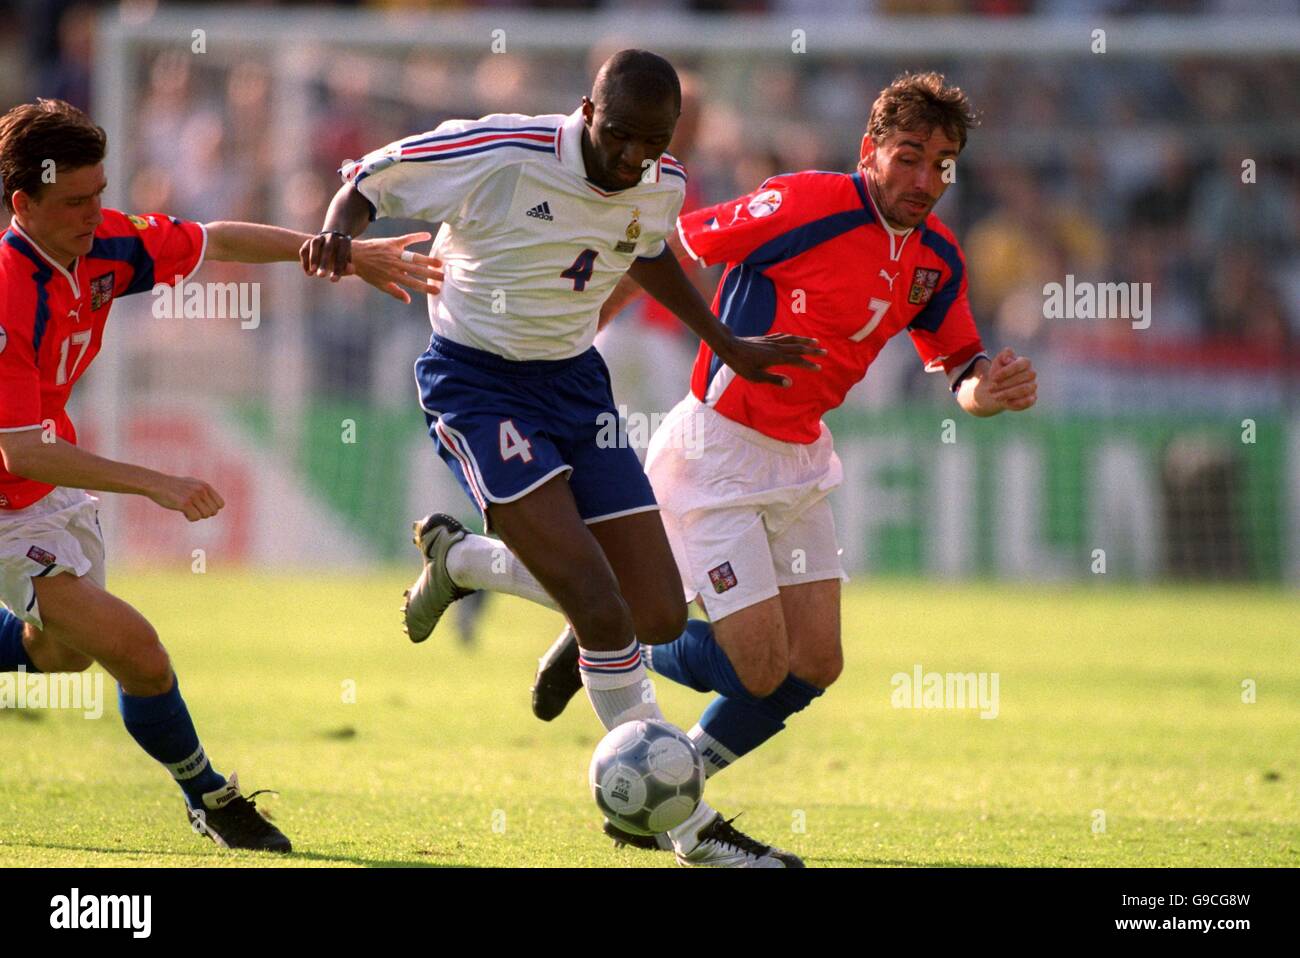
x: 530, y: 247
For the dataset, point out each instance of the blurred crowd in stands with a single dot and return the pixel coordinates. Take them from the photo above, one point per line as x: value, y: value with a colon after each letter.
x: 1182, y: 172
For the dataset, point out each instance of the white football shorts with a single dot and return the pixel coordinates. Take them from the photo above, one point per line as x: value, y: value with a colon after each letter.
x: 59, y: 533
x: 746, y: 514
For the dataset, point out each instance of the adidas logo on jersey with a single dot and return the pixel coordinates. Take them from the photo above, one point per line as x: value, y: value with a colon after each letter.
x: 542, y: 211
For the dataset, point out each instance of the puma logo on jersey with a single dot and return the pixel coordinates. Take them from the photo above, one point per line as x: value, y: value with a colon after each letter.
x: 542, y: 211
x: 889, y: 279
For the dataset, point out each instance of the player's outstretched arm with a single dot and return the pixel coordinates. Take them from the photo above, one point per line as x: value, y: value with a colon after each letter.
x: 388, y: 265
x: 252, y: 243
x: 329, y: 252
x: 1007, y: 383
x: 60, y: 463
x: 750, y: 357
x: 383, y: 263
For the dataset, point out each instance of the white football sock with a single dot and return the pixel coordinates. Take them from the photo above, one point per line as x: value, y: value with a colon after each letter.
x: 478, y: 562
x: 618, y: 686
x: 686, y: 835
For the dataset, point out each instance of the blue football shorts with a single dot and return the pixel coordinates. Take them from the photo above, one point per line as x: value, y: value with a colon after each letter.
x: 505, y: 427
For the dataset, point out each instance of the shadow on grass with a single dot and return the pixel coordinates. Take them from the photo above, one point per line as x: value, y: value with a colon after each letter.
x: 195, y: 860
x: 899, y: 863
x: 374, y: 863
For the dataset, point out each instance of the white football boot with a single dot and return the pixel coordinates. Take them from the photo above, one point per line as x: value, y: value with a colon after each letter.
x: 433, y: 591
x: 716, y: 843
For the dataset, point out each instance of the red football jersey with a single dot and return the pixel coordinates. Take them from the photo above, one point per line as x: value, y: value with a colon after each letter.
x: 52, y: 318
x: 809, y: 254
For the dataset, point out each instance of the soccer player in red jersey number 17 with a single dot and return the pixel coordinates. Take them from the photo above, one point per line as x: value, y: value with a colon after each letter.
x: 63, y: 261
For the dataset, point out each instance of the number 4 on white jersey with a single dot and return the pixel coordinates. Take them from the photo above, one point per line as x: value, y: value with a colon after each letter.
x: 513, y: 444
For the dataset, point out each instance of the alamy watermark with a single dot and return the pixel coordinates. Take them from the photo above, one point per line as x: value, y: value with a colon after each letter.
x: 73, y: 911
x: 633, y: 430
x: 1085, y: 300
x: 182, y: 300
x: 946, y: 690
x: 82, y: 691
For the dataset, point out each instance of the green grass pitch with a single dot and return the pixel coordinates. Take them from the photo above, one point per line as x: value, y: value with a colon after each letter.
x: 1117, y: 702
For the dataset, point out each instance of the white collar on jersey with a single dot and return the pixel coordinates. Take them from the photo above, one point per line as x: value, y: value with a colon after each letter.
x: 569, y: 147
x: 58, y: 267
x: 899, y: 235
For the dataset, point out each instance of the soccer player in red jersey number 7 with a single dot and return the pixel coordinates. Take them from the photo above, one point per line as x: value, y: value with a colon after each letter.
x: 63, y: 261
x: 742, y: 470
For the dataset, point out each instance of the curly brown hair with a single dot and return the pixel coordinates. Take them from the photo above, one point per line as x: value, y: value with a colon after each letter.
x: 921, y: 101
x: 33, y: 133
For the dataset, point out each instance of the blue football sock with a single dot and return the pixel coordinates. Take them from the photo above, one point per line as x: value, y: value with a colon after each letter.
x: 733, y: 726
x: 162, y: 726
x: 12, y: 653
x: 695, y: 659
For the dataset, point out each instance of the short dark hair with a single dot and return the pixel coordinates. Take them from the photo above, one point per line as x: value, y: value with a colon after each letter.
x: 33, y: 133
x: 637, y: 75
x: 921, y: 101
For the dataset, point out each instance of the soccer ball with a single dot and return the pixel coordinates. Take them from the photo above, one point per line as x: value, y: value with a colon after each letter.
x: 647, y: 776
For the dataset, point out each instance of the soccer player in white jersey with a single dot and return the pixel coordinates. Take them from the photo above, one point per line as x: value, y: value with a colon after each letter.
x: 743, y: 471
x: 541, y: 216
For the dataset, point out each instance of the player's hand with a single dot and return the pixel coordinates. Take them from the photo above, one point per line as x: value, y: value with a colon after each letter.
x: 752, y: 356
x: 388, y: 265
x: 185, y: 494
x: 326, y: 254
x: 1010, y: 383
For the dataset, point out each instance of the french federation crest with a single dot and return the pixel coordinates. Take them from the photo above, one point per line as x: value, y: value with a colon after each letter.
x: 924, y: 282
x: 101, y: 291
x: 633, y: 233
